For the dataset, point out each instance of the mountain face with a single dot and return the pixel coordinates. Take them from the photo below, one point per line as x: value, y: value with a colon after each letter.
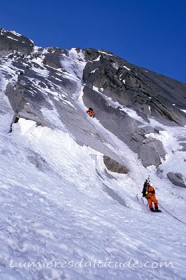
x: 12, y: 42
x: 125, y: 98
x: 70, y: 185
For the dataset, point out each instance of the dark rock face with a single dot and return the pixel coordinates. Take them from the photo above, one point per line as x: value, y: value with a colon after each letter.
x: 11, y: 42
x: 53, y: 57
x: 136, y: 87
x: 176, y: 179
x: 183, y: 146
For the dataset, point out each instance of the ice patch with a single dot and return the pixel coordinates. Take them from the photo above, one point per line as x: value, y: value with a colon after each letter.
x: 126, y: 68
x: 12, y: 38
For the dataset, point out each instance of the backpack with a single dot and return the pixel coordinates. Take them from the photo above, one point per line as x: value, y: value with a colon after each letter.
x: 145, y: 188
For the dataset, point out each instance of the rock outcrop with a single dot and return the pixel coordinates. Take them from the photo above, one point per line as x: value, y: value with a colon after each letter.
x: 176, y: 179
x: 12, y: 42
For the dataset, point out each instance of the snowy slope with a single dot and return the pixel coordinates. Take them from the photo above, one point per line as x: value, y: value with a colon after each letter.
x: 65, y: 216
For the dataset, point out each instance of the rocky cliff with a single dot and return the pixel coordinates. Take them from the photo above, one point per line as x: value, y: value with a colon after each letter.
x: 131, y: 102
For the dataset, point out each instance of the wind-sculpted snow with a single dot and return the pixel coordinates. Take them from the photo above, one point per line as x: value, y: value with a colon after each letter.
x: 66, y: 221
x: 66, y: 211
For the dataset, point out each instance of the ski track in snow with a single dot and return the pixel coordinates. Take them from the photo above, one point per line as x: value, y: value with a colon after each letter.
x: 64, y: 216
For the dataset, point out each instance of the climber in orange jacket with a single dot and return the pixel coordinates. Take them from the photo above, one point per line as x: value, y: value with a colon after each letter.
x: 91, y: 113
x: 149, y: 194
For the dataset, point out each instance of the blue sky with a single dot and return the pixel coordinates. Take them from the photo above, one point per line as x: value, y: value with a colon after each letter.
x: 148, y: 33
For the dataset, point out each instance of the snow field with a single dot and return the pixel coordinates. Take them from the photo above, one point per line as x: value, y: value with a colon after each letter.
x: 63, y: 215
